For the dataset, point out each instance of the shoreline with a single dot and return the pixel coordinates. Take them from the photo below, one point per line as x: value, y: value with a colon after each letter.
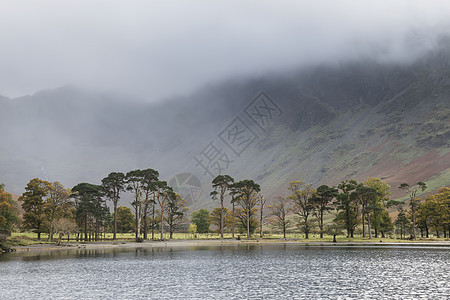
x: 213, y: 242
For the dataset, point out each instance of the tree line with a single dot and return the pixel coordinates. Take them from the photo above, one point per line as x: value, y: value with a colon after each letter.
x: 82, y: 211
x: 351, y: 205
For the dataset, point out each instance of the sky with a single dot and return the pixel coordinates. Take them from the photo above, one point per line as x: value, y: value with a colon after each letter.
x: 155, y: 50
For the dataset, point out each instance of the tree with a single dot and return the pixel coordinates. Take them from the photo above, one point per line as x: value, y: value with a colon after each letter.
x: 216, y: 218
x: 221, y: 185
x: 246, y: 194
x: 261, y: 202
x: 64, y: 226
x: 148, y: 185
x: 366, y: 197
x: 57, y: 205
x: 242, y: 219
x: 322, y: 200
x: 435, y: 212
x: 279, y: 210
x: 201, y: 220
x: 347, y: 209
x: 379, y: 218
x: 163, y: 192
x: 302, y: 197
x: 413, y: 200
x: 133, y: 182
x: 176, y: 209
x: 8, y: 210
x: 334, y: 230
x: 33, y: 205
x: 192, y: 229
x: 381, y: 222
x: 402, y: 222
x: 112, y: 186
x: 91, y: 210
x: 124, y: 219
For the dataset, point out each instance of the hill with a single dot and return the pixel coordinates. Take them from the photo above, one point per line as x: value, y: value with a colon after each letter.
x: 320, y: 125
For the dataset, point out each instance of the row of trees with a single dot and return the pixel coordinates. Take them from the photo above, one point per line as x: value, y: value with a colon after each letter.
x: 351, y: 203
x: 50, y: 208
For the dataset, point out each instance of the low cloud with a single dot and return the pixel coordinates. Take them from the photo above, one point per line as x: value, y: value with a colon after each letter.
x: 158, y: 49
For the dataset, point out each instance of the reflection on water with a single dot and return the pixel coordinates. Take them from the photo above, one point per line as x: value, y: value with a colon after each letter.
x: 228, y: 272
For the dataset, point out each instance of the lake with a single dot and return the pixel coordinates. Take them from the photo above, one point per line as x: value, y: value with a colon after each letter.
x: 280, y: 271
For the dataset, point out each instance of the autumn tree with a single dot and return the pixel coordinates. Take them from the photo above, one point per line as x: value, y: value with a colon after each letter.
x: 64, y: 226
x: 246, y: 195
x: 163, y: 192
x: 216, y: 218
x: 302, y: 196
x: 125, y: 219
x: 413, y: 200
x: 8, y: 210
x: 201, y: 219
x: 241, y: 218
x: 221, y: 184
x: 434, y: 213
x: 57, y: 205
x: 112, y: 186
x: 279, y: 211
x: 33, y: 203
x: 322, y: 200
x: 261, y: 202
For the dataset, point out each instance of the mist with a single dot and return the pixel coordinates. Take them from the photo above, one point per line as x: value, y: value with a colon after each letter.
x: 154, y: 50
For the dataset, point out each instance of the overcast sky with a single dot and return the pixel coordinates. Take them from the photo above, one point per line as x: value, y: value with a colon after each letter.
x: 157, y: 49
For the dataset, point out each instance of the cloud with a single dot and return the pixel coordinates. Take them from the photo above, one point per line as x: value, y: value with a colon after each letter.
x: 156, y: 49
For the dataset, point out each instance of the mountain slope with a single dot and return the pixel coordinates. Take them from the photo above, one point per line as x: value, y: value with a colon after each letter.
x: 320, y: 125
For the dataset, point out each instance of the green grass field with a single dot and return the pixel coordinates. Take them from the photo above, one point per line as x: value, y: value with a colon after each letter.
x: 28, y: 238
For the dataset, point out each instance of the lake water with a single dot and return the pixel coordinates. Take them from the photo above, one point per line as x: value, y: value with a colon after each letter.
x: 229, y: 272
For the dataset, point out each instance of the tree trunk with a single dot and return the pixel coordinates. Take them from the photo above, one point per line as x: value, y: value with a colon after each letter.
x: 145, y: 220
x: 39, y: 235
x: 413, y: 214
x: 321, y: 223
x: 232, y: 221
x: 153, y: 221
x: 162, y: 224
x: 284, y: 231
x: 136, y: 220
x: 221, y: 215
x: 115, y: 220
x: 368, y: 226
x: 248, y: 223
x: 363, y: 224
x: 138, y: 231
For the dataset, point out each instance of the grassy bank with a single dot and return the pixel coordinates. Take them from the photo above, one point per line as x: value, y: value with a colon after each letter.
x: 27, y: 238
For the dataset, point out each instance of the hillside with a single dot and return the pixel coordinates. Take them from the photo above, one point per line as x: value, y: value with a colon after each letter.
x: 321, y: 125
